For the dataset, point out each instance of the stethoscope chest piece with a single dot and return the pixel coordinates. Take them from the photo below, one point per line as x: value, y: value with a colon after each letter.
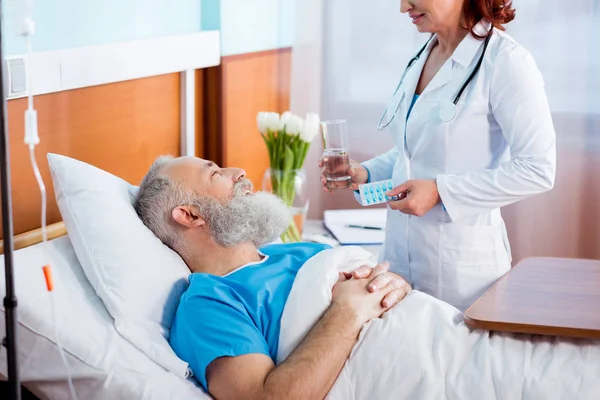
x: 447, y: 111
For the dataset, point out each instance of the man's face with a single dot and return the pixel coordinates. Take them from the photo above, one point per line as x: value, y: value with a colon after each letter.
x: 205, y: 178
x: 224, y: 200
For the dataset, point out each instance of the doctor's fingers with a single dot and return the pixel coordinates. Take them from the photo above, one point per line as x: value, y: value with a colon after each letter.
x: 328, y: 186
x: 400, y: 189
x: 331, y: 186
x: 406, y: 205
x: 324, y: 183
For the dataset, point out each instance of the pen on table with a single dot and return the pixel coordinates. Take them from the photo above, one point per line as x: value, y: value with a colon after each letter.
x: 376, y: 228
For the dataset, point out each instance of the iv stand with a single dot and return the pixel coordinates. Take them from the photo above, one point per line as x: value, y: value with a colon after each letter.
x: 10, y: 301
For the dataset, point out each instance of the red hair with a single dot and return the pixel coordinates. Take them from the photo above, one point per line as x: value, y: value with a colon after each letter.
x: 498, y: 12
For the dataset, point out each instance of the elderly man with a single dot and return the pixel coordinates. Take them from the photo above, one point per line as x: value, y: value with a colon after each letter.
x: 228, y: 321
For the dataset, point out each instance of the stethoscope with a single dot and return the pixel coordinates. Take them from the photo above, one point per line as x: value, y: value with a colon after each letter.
x: 447, y: 110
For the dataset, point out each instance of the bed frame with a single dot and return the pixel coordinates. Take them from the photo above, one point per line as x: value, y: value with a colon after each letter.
x: 35, y: 236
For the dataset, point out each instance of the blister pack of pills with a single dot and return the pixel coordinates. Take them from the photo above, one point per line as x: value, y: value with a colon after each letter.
x: 374, y: 192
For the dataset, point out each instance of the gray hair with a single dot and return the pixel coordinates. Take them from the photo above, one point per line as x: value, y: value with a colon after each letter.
x: 158, y: 195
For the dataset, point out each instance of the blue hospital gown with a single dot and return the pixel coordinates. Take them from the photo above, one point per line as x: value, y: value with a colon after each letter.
x: 238, y: 313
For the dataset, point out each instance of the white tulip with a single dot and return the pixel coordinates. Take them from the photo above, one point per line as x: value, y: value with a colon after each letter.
x: 285, y: 119
x: 272, y: 121
x: 295, y: 125
x: 261, y: 122
x: 292, y: 123
x: 311, y: 127
x: 267, y: 121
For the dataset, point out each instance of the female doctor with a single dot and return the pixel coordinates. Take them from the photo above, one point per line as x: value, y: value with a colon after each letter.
x: 473, y: 133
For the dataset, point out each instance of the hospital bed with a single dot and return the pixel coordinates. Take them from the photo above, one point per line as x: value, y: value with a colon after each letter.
x: 102, y: 363
x: 105, y: 362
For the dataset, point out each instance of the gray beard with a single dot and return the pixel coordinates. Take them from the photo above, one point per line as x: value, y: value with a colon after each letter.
x: 259, y: 218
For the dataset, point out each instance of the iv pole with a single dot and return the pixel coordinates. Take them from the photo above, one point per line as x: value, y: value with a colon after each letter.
x: 10, y: 300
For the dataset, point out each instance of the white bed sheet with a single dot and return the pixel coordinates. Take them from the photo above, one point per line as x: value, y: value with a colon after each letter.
x: 421, y: 348
x: 103, y: 364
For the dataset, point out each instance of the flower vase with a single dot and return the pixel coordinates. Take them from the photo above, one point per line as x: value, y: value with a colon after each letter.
x: 291, y: 187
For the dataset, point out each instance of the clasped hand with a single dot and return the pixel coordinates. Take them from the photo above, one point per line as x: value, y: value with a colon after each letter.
x: 369, y: 292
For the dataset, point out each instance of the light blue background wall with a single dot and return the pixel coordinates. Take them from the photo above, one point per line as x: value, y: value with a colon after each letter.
x: 256, y: 25
x: 211, y: 15
x: 72, y: 23
x: 246, y: 25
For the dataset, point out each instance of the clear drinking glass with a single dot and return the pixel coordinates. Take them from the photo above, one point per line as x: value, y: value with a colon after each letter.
x: 336, y: 157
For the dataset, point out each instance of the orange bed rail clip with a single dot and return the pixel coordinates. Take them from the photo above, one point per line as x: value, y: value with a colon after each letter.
x: 48, y: 275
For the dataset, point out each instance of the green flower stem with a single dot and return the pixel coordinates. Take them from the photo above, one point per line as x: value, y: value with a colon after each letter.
x: 283, y: 186
x: 286, y: 155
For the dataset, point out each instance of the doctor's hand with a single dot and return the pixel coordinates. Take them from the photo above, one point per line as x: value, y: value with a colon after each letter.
x: 357, y: 172
x: 416, y: 197
x: 382, y: 279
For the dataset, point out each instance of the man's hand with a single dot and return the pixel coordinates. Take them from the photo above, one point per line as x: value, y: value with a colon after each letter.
x: 395, y: 286
x: 352, y: 299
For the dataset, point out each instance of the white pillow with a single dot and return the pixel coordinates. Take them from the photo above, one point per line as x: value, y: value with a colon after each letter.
x: 139, y: 279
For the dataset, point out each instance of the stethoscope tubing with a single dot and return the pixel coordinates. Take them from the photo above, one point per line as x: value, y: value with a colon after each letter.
x: 447, y: 110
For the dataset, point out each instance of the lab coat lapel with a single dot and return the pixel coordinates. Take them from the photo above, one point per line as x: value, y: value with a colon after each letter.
x: 412, y: 79
x: 441, y: 78
x: 465, y: 55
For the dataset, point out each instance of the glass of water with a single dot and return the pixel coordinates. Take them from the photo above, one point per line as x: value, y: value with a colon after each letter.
x: 336, y: 157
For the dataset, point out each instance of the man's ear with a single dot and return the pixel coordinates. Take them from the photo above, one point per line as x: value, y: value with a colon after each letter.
x: 187, y: 216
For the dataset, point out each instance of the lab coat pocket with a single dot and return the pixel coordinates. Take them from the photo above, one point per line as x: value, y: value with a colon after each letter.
x: 470, y: 246
x: 472, y: 259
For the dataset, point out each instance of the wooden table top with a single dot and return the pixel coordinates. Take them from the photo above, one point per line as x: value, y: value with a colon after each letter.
x: 547, y: 296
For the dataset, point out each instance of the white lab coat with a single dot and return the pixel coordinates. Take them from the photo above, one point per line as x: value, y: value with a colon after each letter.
x: 500, y: 148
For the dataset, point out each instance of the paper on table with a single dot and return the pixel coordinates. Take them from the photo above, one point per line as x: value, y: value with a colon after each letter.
x: 337, y: 222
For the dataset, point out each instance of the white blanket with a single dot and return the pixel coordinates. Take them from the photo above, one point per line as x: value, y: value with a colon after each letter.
x: 421, y: 349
